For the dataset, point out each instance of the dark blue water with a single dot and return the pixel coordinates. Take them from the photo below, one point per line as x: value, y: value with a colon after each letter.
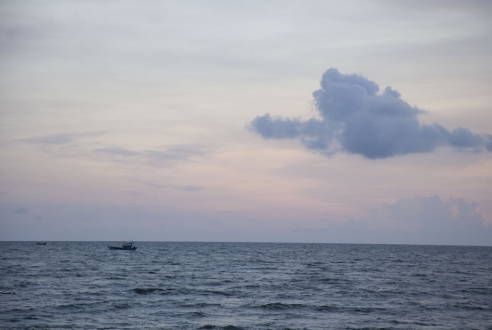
x: 83, y: 285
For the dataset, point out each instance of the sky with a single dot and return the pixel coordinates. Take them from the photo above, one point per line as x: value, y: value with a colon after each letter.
x: 247, y: 121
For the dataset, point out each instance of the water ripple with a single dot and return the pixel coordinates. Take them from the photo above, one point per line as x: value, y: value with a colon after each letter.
x: 83, y: 285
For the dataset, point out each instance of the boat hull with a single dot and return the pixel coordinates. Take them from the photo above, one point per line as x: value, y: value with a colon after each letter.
x: 133, y: 248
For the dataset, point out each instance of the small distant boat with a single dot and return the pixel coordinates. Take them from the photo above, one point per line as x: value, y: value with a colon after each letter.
x: 124, y: 246
x: 40, y: 243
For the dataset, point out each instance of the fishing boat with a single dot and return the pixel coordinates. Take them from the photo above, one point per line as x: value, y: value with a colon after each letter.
x: 124, y: 246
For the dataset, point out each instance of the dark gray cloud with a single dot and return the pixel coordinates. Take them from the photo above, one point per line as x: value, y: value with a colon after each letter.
x: 356, y: 117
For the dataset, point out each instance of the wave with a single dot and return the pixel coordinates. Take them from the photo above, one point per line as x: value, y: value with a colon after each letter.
x: 227, y: 327
x: 146, y: 290
x: 282, y: 306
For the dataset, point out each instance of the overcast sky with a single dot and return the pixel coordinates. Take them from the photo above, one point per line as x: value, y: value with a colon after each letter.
x: 292, y: 121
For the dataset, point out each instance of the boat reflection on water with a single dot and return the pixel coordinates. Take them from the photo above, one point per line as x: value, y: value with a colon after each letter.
x: 125, y: 246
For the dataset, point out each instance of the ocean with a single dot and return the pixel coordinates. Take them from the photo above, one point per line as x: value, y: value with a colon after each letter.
x: 178, y: 285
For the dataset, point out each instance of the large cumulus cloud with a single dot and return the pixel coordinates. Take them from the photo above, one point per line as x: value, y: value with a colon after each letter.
x: 358, y: 118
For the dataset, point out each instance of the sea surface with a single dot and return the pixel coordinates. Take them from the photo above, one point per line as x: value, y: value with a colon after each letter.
x: 171, y: 285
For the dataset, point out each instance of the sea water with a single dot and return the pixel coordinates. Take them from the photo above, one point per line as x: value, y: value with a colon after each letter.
x: 171, y: 285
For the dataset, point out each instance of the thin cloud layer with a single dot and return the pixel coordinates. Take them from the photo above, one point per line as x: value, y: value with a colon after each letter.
x: 359, y: 119
x: 57, y: 139
x: 156, y: 157
x: 431, y: 220
x: 433, y: 215
x: 417, y: 220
